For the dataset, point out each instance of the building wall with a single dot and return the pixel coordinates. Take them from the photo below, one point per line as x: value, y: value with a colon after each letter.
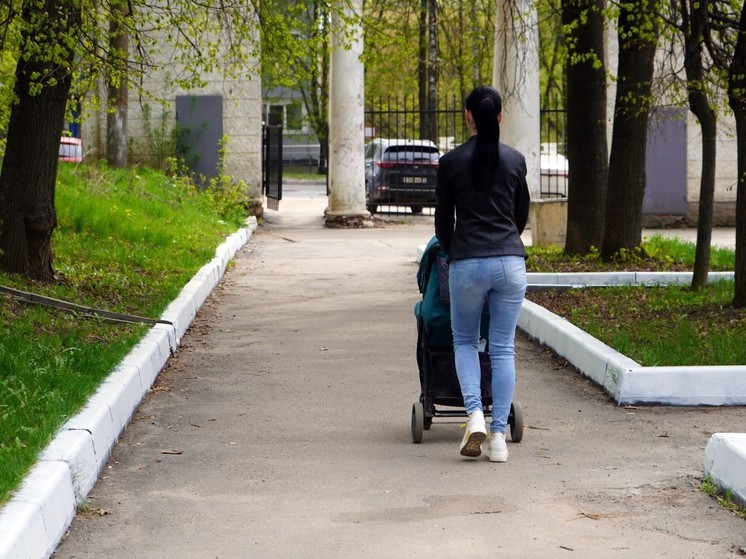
x: 726, y: 171
x: 242, y: 120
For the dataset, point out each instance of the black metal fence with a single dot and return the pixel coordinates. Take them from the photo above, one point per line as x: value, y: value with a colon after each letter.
x: 396, y: 117
x: 400, y: 117
x: 554, y: 166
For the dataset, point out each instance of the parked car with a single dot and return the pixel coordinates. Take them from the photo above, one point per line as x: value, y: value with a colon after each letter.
x: 401, y: 172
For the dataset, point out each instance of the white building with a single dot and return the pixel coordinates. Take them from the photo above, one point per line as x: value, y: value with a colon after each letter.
x: 223, y: 108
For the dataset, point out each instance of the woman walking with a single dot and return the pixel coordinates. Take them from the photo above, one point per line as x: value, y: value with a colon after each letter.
x: 482, y: 209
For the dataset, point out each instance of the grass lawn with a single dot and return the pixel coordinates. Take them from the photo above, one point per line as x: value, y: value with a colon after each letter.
x: 127, y: 241
x: 655, y: 326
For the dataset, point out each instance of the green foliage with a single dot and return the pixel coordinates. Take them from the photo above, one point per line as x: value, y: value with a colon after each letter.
x: 465, y: 43
x: 197, y: 40
x: 7, y: 81
x: 659, y: 326
x: 657, y: 252
x: 294, y: 35
x: 552, y: 57
x: 127, y: 241
x: 227, y: 196
x: 724, y: 498
x: 157, y: 145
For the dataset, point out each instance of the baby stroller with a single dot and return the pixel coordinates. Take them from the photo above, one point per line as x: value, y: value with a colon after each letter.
x: 435, y: 358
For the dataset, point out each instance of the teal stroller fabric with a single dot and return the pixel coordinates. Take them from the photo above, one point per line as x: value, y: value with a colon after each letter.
x: 434, y: 309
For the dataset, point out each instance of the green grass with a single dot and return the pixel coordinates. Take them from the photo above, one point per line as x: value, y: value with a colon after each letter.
x: 655, y: 326
x: 666, y: 326
x: 657, y: 253
x: 723, y: 498
x: 126, y: 241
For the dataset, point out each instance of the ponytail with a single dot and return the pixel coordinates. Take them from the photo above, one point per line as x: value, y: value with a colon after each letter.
x: 485, y: 105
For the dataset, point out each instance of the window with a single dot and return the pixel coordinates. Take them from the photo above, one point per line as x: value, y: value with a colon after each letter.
x: 294, y: 116
x: 275, y: 115
x: 289, y: 116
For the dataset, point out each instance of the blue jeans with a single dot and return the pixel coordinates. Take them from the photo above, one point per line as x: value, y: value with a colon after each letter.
x: 501, y: 281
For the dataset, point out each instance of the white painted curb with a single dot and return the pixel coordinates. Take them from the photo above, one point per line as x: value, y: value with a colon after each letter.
x: 590, y: 279
x: 34, y: 521
x: 725, y: 463
x: 624, y: 379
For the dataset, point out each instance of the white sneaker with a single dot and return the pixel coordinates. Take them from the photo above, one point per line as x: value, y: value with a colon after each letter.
x: 471, y: 444
x: 497, y: 450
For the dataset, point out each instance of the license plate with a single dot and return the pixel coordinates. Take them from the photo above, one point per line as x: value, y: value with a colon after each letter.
x: 414, y: 180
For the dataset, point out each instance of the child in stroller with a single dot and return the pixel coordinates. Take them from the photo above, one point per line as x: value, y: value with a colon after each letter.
x: 435, y: 358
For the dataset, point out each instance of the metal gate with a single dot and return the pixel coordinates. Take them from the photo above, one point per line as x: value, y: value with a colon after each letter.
x: 272, y: 165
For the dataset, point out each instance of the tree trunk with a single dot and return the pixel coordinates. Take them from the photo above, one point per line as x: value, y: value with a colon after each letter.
x: 427, y: 71
x: 706, y: 192
x: 476, y: 72
x: 431, y: 132
x: 27, y: 214
x: 116, y: 119
x: 637, y: 44
x: 316, y: 93
x: 737, y: 101
x: 695, y: 16
x: 422, y: 66
x: 587, y: 150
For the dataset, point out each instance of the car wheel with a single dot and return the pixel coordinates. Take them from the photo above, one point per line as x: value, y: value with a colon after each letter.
x: 372, y: 208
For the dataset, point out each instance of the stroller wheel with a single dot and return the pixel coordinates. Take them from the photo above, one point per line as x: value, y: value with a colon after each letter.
x: 418, y: 421
x: 515, y: 420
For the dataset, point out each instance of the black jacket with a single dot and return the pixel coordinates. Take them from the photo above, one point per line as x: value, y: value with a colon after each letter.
x: 488, y: 225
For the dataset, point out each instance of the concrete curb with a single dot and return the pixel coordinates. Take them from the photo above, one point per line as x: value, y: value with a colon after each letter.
x: 34, y: 521
x: 624, y: 379
x: 725, y: 463
x: 598, y: 279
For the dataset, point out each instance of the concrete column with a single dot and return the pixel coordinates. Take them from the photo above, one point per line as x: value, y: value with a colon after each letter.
x: 516, y: 76
x: 347, y: 121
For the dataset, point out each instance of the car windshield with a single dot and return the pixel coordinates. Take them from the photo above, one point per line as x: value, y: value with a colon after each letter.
x: 411, y: 153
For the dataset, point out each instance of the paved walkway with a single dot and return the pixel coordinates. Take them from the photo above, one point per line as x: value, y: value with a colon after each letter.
x: 282, y: 428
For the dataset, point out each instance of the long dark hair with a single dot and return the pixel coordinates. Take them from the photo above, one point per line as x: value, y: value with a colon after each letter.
x: 484, y: 103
